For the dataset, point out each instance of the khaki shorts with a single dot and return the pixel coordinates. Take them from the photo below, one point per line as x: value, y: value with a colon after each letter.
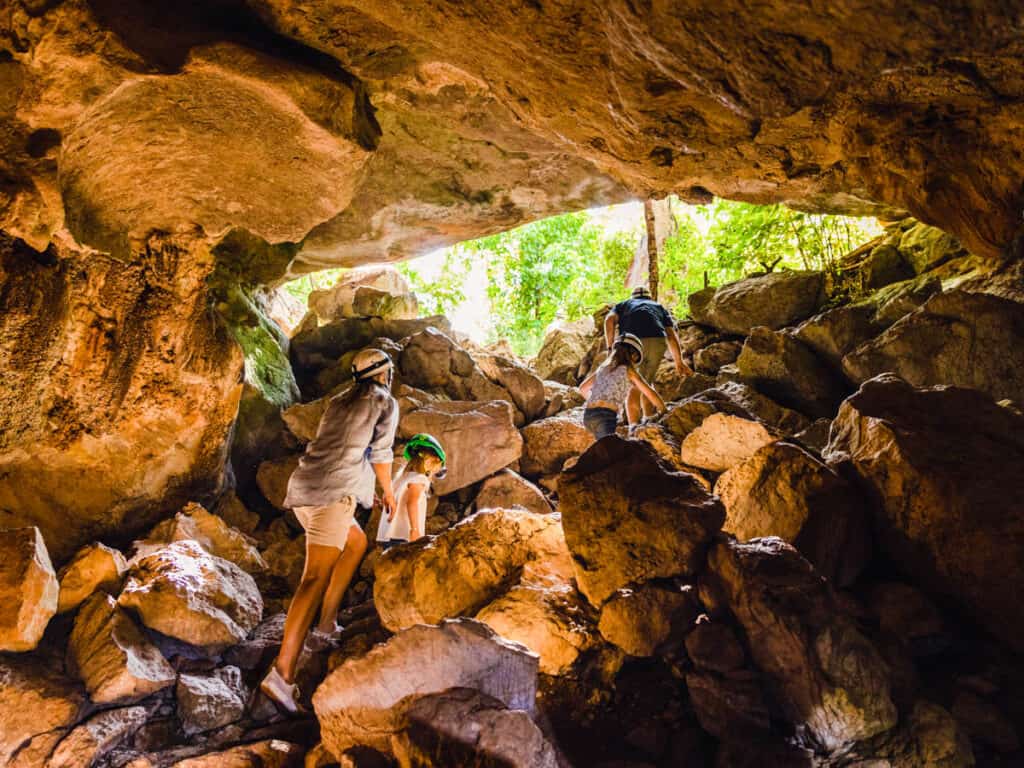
x: 654, y: 352
x: 328, y: 526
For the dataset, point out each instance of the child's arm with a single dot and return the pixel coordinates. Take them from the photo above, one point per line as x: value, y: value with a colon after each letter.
x: 646, y: 389
x: 588, y: 384
x: 411, y: 502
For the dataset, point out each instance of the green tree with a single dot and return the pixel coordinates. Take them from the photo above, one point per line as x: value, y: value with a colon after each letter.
x: 440, y: 294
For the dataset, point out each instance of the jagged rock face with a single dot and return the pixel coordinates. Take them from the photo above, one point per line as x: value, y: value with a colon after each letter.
x: 774, y: 300
x: 28, y: 588
x: 35, y: 700
x: 92, y: 568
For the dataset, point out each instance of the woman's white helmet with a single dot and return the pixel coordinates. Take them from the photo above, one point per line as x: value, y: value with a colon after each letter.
x: 633, y: 342
x: 369, y: 362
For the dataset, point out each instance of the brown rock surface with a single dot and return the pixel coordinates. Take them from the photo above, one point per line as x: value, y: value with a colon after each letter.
x: 783, y: 491
x: 943, y: 467
x: 627, y: 519
x: 641, y: 620
x: 461, y: 570
x: 210, y: 701
x: 508, y: 490
x: 270, y: 753
x: 272, y: 478
x: 562, y: 353
x: 479, y: 438
x: 363, y: 701
x: 712, y: 357
x: 186, y: 593
x: 774, y: 300
x: 837, y: 332
x: 722, y: 441
x: 549, y: 443
x: 827, y: 677
x: 960, y: 338
x: 93, y: 567
x: 380, y: 288
x: 112, y: 657
x: 193, y: 523
x: 90, y: 742
x: 28, y: 589
x: 35, y: 699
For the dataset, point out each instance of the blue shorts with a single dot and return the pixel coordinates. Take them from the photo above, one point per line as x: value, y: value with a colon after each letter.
x: 600, y: 421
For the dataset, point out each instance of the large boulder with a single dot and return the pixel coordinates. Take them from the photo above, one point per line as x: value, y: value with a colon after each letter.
x: 28, y: 589
x: 786, y: 370
x: 362, y: 289
x: 548, y: 443
x: 194, y: 523
x: 508, y: 490
x: 943, y: 468
x: 526, y: 389
x: 774, y: 300
x: 722, y: 441
x: 210, y: 701
x: 431, y: 359
x: 463, y: 726
x: 93, y: 567
x: 91, y: 741
x: 628, y: 519
x: 960, y: 338
x: 560, y: 397
x: 112, y: 656
x: 479, y: 438
x: 829, y: 680
x: 272, y: 479
x: 363, y: 702
x: 926, y: 247
x: 833, y: 334
x: 36, y: 702
x: 732, y: 398
x: 928, y: 736
x: 269, y: 753
x: 185, y: 592
x: 784, y: 491
x: 459, y: 571
x: 563, y: 350
x: 712, y: 357
x: 643, y: 619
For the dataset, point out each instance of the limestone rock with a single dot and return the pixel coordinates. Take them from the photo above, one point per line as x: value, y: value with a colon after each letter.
x: 523, y: 386
x: 926, y: 247
x: 372, y: 291
x: 943, y: 468
x: 28, y: 589
x: 186, y: 593
x: 479, y: 438
x: 732, y: 398
x: 549, y: 443
x: 640, y: 620
x: 272, y: 479
x: 462, y: 726
x: 270, y: 753
x: 928, y: 737
x: 234, y: 512
x: 459, y: 571
x: 694, y: 337
x: 827, y: 677
x: 364, y: 700
x: 960, y: 338
x: 781, y: 490
x: 712, y: 357
x: 664, y: 443
x: 552, y: 620
x: 562, y: 351
x: 210, y: 701
x: 112, y: 657
x: 35, y: 699
x: 729, y: 707
x: 764, y: 408
x: 193, y: 523
x: 895, y: 301
x: 90, y: 742
x: 627, y: 519
x: 789, y: 372
x: 560, y: 397
x: 885, y: 265
x: 723, y: 441
x: 774, y: 300
x: 508, y: 490
x: 713, y: 646
x: 835, y: 333
x: 93, y: 567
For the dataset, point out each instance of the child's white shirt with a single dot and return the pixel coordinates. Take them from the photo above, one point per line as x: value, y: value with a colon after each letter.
x: 398, y: 527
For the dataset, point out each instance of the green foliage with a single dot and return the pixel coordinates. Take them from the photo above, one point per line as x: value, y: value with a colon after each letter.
x: 301, y: 287
x: 441, y: 294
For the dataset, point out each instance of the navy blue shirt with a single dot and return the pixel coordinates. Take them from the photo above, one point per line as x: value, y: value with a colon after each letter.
x: 644, y: 318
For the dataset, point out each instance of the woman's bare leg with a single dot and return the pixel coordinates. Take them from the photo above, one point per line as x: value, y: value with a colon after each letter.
x: 316, y: 575
x: 341, y: 576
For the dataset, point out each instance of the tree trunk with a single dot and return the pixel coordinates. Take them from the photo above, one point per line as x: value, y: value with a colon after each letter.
x: 652, y: 249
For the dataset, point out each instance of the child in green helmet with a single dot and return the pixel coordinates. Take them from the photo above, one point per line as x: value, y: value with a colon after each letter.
x: 406, y: 521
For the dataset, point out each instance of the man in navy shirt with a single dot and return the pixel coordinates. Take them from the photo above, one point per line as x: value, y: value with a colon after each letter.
x: 646, y: 319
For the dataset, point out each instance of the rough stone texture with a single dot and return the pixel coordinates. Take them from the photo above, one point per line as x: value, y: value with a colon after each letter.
x: 508, y: 490
x: 363, y: 701
x: 784, y: 491
x: 272, y: 478
x: 93, y: 567
x: 960, y: 338
x: 628, y: 519
x: 459, y: 571
x: 206, y: 702
x: 827, y: 677
x: 432, y: 360
x: 664, y: 443
x: 774, y: 300
x: 560, y: 397
x: 193, y: 523
x: 348, y: 296
x: 787, y: 371
x: 465, y: 727
x: 84, y: 337
x: 115, y: 661
x: 186, y: 593
x: 270, y: 753
x: 523, y: 386
x: 712, y: 357
x: 562, y: 352
x: 895, y: 301
x: 549, y: 443
x: 943, y: 467
x: 35, y: 699
x: 837, y: 332
x: 722, y: 441
x: 929, y: 736
x: 926, y: 247
x: 713, y: 646
x: 641, y: 620
x: 479, y: 438
x: 90, y: 742
x: 729, y: 707
x: 28, y: 589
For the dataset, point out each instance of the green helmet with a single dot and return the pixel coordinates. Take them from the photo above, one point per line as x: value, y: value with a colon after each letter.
x: 423, y: 440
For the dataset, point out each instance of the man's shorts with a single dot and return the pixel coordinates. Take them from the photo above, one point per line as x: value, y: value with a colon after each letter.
x: 654, y: 352
x: 328, y: 526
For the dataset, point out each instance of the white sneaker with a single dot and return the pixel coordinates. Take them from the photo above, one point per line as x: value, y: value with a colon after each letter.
x: 278, y: 690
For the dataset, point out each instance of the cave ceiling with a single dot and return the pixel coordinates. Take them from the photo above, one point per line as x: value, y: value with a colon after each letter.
x: 372, y: 131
